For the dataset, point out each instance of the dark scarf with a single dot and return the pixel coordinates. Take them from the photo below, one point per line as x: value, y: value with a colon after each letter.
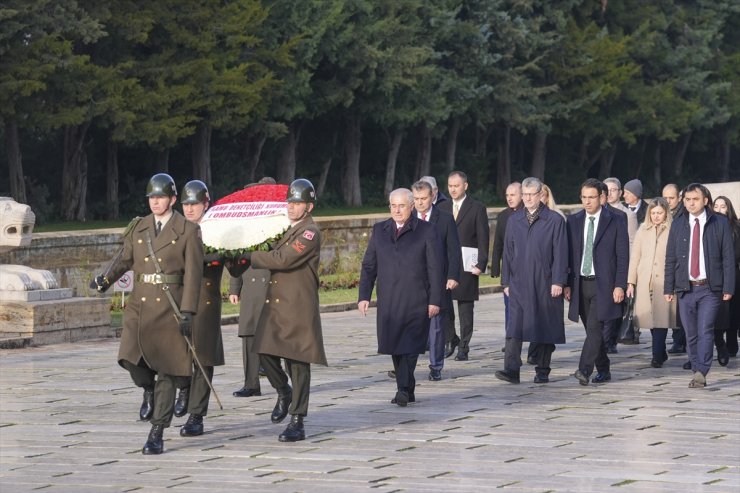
x: 533, y: 216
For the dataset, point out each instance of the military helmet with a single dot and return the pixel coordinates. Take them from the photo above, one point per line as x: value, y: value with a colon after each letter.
x: 161, y: 185
x: 301, y: 190
x: 194, y: 192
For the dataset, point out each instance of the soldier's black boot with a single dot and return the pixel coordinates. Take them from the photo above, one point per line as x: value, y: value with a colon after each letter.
x: 285, y: 395
x: 154, y: 443
x: 294, y: 431
x: 193, y: 427
x: 181, y: 403
x: 147, y: 405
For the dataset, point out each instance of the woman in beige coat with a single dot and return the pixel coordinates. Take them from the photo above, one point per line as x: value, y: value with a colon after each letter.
x: 646, y: 277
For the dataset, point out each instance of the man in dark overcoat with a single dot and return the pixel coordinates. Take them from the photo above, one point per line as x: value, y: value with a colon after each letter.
x: 207, y: 339
x: 289, y: 325
x: 152, y: 343
x: 403, y: 258
x: 598, y: 265
x: 700, y: 271
x: 444, y: 223
x: 472, y: 229
x: 534, y: 273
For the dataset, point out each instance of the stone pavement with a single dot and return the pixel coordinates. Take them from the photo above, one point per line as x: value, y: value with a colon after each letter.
x: 68, y: 423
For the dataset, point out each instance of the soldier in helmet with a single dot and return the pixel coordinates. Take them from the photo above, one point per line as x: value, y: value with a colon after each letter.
x: 166, y: 254
x: 207, y: 340
x: 290, y: 327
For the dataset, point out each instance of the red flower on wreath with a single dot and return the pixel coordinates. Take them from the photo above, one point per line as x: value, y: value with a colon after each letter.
x: 257, y: 193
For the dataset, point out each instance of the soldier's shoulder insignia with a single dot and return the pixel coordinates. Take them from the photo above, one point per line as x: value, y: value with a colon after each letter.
x: 308, y: 234
x: 131, y: 226
x: 298, y: 246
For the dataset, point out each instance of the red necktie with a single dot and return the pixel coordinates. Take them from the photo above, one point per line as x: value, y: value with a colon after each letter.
x: 423, y: 216
x: 694, y: 270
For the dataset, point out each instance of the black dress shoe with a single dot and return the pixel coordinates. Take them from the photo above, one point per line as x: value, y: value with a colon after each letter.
x: 245, y: 392
x: 181, y: 403
x: 723, y: 357
x: 194, y: 426
x: 294, y: 432
x: 412, y: 398
x: 281, y: 406
x: 451, y: 346
x: 602, y: 377
x: 612, y: 349
x: 677, y: 349
x: 687, y: 365
x: 460, y: 356
x: 147, y: 405
x: 507, y: 376
x: 581, y: 377
x: 154, y: 443
x: 656, y: 363
x: 262, y: 372
x: 401, y: 399
x: 435, y: 375
x: 541, y: 379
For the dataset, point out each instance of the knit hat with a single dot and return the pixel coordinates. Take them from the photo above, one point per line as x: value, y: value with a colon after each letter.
x: 634, y: 186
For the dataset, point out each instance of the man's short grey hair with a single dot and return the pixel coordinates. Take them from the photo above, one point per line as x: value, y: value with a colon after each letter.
x: 532, y: 182
x: 614, y: 180
x: 422, y: 185
x: 431, y: 180
x: 404, y: 192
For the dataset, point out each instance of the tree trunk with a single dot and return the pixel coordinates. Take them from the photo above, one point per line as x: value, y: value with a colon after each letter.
x: 201, y: 153
x: 423, y: 152
x: 287, y: 160
x: 351, y: 192
x: 540, y: 154
x: 658, y: 162
x: 503, y: 169
x: 15, y: 162
x: 394, y: 146
x: 606, y: 161
x: 452, y: 145
x: 163, y: 161
x: 252, y: 155
x: 678, y: 159
x: 724, y: 158
x: 111, y: 188
x: 481, y: 140
x: 74, y: 172
x: 641, y: 157
x: 326, y: 167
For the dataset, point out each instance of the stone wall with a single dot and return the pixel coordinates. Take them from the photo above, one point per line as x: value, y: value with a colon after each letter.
x: 73, y: 256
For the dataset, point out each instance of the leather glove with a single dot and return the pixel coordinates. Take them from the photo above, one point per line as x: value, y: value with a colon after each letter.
x: 100, y: 283
x: 213, y: 259
x: 186, y: 324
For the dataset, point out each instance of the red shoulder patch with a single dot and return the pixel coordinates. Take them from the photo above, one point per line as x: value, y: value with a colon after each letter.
x: 308, y: 235
x: 298, y: 246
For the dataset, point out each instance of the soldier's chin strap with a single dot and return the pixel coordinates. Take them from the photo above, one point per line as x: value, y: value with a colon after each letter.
x: 179, y: 316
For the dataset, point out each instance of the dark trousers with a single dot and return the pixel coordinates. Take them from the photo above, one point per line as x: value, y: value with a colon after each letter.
x: 165, y: 387
x: 594, y: 349
x: 404, y: 366
x: 300, y: 378
x: 659, y: 336
x: 200, y: 392
x: 679, y: 337
x: 726, y: 339
x: 437, y: 341
x: 251, y: 362
x: 540, y: 352
x: 699, y: 307
x: 465, y: 315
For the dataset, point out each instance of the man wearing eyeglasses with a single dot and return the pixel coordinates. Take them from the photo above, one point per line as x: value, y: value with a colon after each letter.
x: 613, y: 198
x: 599, y: 260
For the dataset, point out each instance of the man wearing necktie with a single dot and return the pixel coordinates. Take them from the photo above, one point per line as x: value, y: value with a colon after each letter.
x: 700, y: 270
x: 403, y: 257
x: 597, y: 279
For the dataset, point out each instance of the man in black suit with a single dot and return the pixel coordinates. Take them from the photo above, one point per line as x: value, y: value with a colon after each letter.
x: 450, y: 255
x: 472, y: 228
x: 672, y: 195
x: 599, y: 260
x: 633, y: 199
x: 514, y: 202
